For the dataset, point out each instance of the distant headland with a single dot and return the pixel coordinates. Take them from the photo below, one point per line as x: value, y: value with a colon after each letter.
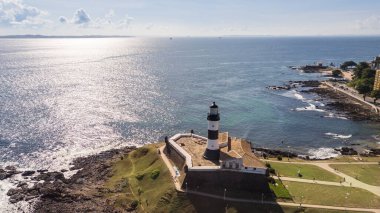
x: 64, y: 36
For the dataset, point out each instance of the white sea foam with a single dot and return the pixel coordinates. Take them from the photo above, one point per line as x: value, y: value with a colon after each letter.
x: 323, y: 153
x: 337, y: 136
x: 298, y: 96
x: 22, y: 206
x: 311, y: 107
x: 332, y: 115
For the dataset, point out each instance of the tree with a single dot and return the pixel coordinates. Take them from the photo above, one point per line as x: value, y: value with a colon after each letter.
x: 368, y: 73
x: 375, y: 94
x: 337, y: 73
x: 347, y: 64
x: 363, y: 87
x: 358, y: 71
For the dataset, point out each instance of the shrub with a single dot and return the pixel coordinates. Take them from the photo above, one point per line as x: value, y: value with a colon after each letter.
x: 268, y: 165
x: 140, y: 152
x: 155, y: 173
x: 271, y: 180
x: 134, y: 204
x: 272, y: 171
x: 139, y: 176
x: 336, y: 73
x: 139, y: 191
x: 279, y: 157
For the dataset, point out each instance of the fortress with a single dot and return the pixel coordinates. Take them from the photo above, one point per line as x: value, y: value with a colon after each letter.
x: 216, y: 160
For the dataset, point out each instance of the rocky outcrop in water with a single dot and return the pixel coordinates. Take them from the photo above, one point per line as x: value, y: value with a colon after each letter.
x: 8, y: 172
x: 295, y: 84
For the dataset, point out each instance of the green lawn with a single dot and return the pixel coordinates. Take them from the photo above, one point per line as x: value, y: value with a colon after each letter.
x: 307, y: 171
x: 332, y: 195
x: 148, y: 191
x: 367, y: 173
x: 280, y: 191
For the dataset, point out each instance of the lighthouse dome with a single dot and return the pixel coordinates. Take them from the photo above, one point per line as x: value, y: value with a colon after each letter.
x: 214, y: 105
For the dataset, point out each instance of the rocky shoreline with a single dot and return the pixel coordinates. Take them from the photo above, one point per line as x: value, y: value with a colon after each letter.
x: 351, y: 108
x: 335, y: 101
x: 82, y: 192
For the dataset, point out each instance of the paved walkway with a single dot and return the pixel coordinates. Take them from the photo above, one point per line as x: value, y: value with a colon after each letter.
x: 350, y: 181
x: 313, y: 181
x: 353, y: 95
x: 280, y: 203
x: 171, y: 169
x: 318, y: 162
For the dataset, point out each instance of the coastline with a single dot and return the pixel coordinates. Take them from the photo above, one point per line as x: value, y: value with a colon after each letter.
x: 349, y: 106
x: 86, y: 190
x: 47, y: 191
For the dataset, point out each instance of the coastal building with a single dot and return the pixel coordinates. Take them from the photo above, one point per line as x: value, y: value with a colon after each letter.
x: 213, y: 150
x: 376, y: 85
x: 217, y: 153
x: 375, y: 64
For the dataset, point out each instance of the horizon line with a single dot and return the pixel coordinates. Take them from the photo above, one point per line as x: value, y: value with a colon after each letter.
x: 171, y: 36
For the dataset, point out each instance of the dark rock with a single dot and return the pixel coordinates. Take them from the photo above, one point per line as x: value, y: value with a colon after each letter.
x: 21, y: 184
x: 347, y: 151
x: 27, y: 198
x: 375, y: 151
x: 28, y: 173
x: 3, y: 176
x: 80, y: 181
x: 16, y: 198
x: 14, y: 191
x: 42, y: 170
x: 50, y: 176
x: 12, y: 168
x: 63, y: 170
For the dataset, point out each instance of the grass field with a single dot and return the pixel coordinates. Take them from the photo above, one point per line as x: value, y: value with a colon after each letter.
x: 367, y: 173
x: 132, y: 182
x: 133, y: 175
x: 307, y: 171
x: 332, y: 195
x: 280, y: 191
x: 343, y: 158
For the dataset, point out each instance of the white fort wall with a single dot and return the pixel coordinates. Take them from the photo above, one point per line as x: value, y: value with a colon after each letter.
x: 189, y: 163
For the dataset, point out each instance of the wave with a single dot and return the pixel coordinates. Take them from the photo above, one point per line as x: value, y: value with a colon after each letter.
x: 323, y: 153
x: 311, y: 107
x: 332, y: 115
x: 337, y: 136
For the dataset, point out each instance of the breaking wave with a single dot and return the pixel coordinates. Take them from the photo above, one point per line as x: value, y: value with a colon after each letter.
x: 337, y: 136
x: 323, y: 153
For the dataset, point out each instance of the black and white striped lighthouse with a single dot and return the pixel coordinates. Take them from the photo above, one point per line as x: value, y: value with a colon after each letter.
x: 212, y: 151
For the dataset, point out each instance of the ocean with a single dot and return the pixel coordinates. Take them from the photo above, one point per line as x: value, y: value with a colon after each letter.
x: 64, y: 98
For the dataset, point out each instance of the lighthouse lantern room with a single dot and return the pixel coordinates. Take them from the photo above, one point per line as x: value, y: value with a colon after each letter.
x: 212, y: 151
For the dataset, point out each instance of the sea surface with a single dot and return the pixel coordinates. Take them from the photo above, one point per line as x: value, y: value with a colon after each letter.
x: 64, y: 98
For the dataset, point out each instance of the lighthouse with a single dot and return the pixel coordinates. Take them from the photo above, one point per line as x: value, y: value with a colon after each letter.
x: 212, y: 151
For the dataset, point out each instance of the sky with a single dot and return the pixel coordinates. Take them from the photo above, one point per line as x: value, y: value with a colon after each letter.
x: 190, y: 18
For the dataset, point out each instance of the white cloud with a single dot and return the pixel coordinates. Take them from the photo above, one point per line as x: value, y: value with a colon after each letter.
x: 63, y: 20
x: 110, y: 14
x: 81, y: 18
x: 126, y: 22
x: 370, y: 23
x: 16, y: 13
x: 150, y: 26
